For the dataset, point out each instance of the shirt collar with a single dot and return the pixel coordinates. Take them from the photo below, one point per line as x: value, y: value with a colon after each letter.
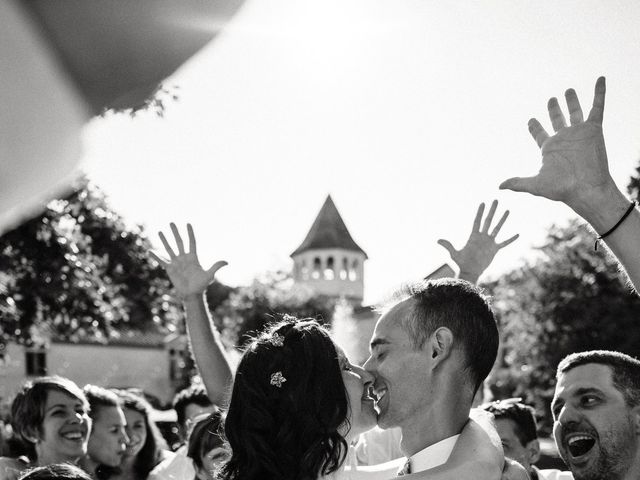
x: 434, y: 455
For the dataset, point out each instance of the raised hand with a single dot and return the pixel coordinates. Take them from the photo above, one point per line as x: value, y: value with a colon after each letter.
x: 187, y: 275
x: 481, y: 247
x: 574, y: 168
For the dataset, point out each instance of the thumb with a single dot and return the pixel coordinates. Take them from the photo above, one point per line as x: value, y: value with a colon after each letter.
x: 520, y: 184
x: 215, y: 267
x: 447, y: 245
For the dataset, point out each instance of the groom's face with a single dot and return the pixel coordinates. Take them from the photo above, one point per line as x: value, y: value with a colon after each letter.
x: 402, y: 372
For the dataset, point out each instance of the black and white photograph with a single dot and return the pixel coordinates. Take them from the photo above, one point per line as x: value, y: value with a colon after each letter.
x: 319, y: 240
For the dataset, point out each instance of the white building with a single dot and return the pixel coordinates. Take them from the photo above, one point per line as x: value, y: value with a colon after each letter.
x: 329, y: 261
x: 151, y: 362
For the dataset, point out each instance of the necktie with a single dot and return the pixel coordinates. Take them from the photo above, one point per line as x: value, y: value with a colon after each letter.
x: 406, y: 469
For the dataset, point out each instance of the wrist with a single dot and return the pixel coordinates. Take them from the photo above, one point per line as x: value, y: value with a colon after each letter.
x: 602, y: 207
x: 471, y: 276
x: 193, y: 298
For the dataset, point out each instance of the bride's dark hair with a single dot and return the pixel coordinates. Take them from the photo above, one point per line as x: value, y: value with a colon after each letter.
x: 287, y: 405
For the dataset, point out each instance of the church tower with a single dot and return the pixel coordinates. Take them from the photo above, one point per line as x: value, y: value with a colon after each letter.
x: 329, y: 261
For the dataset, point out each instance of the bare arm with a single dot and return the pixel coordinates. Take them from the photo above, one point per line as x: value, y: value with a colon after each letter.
x: 190, y: 281
x: 575, y: 171
x: 481, y: 247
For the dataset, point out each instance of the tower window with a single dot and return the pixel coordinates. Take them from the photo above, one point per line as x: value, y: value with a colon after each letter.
x: 304, y: 271
x: 317, y: 267
x: 353, y: 271
x: 344, y: 269
x: 329, y: 273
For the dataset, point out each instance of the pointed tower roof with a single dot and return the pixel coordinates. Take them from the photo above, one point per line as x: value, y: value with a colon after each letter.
x: 328, y: 231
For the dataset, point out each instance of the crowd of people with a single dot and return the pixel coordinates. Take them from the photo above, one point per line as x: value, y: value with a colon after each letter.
x: 299, y: 409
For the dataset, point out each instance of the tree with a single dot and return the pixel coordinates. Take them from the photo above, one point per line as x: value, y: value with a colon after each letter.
x: 217, y: 294
x: 248, y: 309
x: 633, y: 187
x: 570, y: 299
x: 78, y: 271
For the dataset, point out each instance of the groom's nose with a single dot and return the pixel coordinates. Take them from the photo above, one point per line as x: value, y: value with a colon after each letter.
x: 367, y: 378
x: 369, y: 366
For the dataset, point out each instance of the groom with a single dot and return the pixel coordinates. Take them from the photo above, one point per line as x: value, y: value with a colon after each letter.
x: 431, y: 350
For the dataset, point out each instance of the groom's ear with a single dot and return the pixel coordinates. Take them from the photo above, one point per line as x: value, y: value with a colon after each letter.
x: 441, y: 343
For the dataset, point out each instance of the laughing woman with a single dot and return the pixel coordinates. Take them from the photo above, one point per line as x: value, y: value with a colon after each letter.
x: 50, y: 414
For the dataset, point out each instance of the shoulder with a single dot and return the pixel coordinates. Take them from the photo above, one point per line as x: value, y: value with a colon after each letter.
x: 11, y: 468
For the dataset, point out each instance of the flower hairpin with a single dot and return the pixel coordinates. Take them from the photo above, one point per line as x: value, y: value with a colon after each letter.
x: 277, y: 379
x: 276, y: 340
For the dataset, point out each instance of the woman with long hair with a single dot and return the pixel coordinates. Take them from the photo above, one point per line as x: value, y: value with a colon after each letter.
x: 146, y: 447
x: 296, y: 404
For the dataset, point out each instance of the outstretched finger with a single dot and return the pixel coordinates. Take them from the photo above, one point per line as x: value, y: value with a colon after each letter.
x: 597, y: 111
x: 497, y: 228
x: 478, y: 219
x: 537, y: 132
x: 508, y: 241
x: 158, y: 258
x: 489, y: 219
x: 215, y: 267
x: 521, y: 184
x: 575, y: 110
x: 176, y: 235
x: 192, y: 239
x: 448, y: 247
x: 555, y: 114
x: 167, y: 247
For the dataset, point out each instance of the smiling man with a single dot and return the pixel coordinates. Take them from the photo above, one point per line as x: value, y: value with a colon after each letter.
x: 430, y: 351
x: 596, y: 411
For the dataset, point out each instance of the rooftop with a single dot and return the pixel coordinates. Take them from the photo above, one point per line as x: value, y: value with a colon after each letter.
x: 328, y: 231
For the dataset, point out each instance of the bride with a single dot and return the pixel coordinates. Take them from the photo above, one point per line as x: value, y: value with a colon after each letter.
x: 297, y: 402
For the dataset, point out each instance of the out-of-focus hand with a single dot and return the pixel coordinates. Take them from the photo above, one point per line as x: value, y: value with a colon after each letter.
x: 481, y: 247
x: 187, y: 275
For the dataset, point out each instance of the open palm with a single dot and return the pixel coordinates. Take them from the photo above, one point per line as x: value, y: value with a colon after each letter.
x: 574, y: 159
x: 481, y: 247
x: 189, y: 278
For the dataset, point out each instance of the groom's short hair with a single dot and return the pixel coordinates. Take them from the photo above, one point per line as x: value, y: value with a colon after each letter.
x: 462, y: 308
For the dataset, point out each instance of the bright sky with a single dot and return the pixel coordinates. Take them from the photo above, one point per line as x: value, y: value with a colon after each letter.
x: 409, y: 113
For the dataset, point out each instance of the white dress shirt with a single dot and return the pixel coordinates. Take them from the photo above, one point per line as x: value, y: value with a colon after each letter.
x: 434, y: 455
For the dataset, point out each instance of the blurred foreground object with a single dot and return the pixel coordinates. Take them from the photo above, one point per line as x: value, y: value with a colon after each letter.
x: 64, y: 61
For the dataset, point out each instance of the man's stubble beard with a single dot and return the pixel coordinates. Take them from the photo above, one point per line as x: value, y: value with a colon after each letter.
x: 614, y: 460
